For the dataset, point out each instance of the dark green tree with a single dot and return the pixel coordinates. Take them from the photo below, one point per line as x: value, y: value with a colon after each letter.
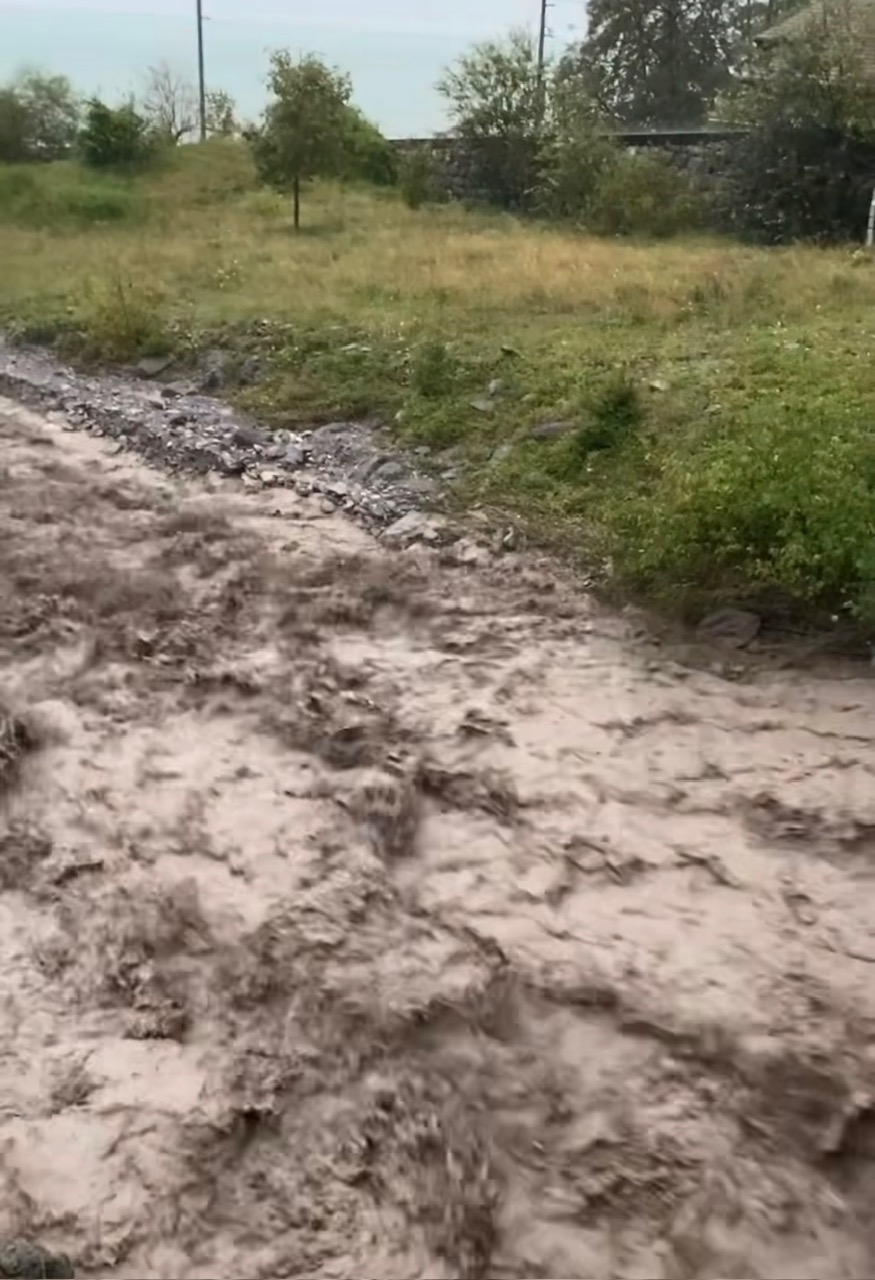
x: 805, y: 167
x: 305, y: 124
x: 39, y: 118
x: 367, y: 155
x: 659, y: 62
x: 114, y: 137
x: 496, y: 105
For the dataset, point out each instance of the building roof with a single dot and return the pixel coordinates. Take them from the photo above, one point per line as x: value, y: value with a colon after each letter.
x: 855, y: 17
x: 852, y: 21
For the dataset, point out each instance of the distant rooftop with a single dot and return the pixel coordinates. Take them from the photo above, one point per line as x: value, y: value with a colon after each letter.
x: 855, y: 18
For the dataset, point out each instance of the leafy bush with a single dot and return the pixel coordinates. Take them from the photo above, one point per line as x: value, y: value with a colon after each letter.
x: 615, y: 415
x: 39, y: 118
x: 643, y: 195
x: 124, y: 319
x: 496, y: 103
x: 805, y: 170
x: 779, y: 500
x: 114, y: 137
x: 367, y: 155
x: 60, y: 196
x: 573, y: 151
x: 419, y: 178
x: 433, y: 370
x: 14, y: 127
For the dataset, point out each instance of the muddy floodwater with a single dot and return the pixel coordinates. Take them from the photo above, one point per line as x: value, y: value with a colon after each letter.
x: 365, y: 913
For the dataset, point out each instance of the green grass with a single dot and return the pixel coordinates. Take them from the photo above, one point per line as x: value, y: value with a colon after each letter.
x: 718, y: 399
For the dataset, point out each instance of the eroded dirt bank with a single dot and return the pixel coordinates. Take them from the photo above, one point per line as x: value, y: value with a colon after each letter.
x: 369, y: 915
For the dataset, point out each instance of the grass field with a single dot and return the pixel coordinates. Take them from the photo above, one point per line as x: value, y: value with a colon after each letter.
x: 716, y: 403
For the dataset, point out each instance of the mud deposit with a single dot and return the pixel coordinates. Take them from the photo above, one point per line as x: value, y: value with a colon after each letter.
x: 365, y: 914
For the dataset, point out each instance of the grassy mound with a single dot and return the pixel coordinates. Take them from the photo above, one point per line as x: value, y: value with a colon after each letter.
x: 696, y: 412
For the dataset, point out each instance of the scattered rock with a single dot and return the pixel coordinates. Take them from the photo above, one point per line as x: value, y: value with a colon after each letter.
x: 416, y: 526
x: 482, y: 404
x: 153, y: 366
x: 501, y: 452
x: 215, y: 365
x: 508, y: 350
x: 388, y: 472
x: 659, y: 384
x: 551, y: 430
x: 21, y: 1260
x: 735, y: 628
x: 496, y: 386
x: 420, y: 487
x: 171, y: 390
x: 467, y: 552
x: 249, y: 371
x: 246, y: 436
x: 182, y: 429
x: 292, y: 456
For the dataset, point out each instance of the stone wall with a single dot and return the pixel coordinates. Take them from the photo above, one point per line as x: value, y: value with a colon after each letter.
x: 703, y: 154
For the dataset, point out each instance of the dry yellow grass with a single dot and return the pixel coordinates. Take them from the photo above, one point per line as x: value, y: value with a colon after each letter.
x: 225, y: 253
x: 669, y: 357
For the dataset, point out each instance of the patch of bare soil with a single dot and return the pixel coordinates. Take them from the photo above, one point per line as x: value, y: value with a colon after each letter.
x: 367, y: 914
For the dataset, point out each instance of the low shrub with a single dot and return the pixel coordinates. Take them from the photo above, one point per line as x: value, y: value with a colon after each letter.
x: 419, y: 178
x: 434, y: 370
x: 774, y: 500
x: 123, y: 319
x: 55, y: 197
x: 114, y: 137
x: 367, y: 155
x: 644, y: 195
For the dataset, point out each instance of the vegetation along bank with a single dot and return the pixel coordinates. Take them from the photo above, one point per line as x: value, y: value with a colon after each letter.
x: 674, y: 384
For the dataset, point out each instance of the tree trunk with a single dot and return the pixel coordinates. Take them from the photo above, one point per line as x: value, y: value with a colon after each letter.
x: 297, y: 191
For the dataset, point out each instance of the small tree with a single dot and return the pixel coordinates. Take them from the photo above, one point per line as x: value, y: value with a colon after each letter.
x: 113, y: 136
x: 14, y: 129
x: 575, y: 153
x: 222, y: 119
x: 530, y: 136
x: 496, y: 104
x: 170, y: 104
x: 39, y: 118
x: 303, y: 130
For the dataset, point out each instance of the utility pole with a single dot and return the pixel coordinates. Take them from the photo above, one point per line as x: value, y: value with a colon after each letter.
x: 201, y: 82
x: 542, y: 38
x: 542, y: 43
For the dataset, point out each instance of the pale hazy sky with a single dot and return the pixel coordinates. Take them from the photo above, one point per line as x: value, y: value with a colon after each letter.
x: 394, y: 50
x: 422, y: 16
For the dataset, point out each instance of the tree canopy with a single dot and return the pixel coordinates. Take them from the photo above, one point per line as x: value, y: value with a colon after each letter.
x: 302, y: 134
